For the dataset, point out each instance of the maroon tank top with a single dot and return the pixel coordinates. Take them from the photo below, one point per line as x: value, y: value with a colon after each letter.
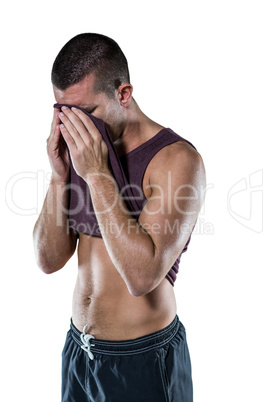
x: 128, y: 171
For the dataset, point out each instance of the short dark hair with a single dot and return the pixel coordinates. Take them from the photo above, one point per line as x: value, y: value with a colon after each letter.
x: 91, y: 53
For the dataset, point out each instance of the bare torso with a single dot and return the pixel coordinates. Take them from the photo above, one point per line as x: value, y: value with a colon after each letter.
x: 102, y: 300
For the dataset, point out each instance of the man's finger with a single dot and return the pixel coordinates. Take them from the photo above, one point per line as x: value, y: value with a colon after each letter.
x: 88, y: 123
x: 72, y: 130
x: 54, y: 129
x: 68, y: 138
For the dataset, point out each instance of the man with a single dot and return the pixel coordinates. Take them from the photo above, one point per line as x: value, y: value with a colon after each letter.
x: 125, y: 342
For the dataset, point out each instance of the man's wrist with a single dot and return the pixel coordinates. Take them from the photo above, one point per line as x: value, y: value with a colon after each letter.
x: 58, y: 180
x: 96, y: 180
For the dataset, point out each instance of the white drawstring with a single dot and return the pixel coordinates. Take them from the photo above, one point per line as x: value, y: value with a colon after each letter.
x: 85, y: 338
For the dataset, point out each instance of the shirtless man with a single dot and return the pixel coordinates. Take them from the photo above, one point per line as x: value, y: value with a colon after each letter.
x: 123, y: 291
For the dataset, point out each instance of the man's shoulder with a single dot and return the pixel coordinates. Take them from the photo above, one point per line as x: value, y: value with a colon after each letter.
x: 176, y: 166
x: 180, y: 153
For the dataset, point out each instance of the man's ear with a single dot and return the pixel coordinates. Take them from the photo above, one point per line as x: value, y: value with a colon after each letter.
x: 125, y: 94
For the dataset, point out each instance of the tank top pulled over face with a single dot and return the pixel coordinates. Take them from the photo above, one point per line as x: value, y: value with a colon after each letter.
x: 128, y: 172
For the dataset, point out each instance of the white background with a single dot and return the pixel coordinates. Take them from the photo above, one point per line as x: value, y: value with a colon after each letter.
x: 199, y: 67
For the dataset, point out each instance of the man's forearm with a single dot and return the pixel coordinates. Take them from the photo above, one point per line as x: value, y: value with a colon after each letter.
x: 130, y: 247
x: 53, y: 243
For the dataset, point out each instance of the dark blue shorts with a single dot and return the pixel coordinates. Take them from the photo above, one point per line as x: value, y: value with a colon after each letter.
x: 151, y: 368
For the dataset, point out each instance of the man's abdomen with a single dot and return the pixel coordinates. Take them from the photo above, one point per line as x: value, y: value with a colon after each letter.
x: 102, y: 300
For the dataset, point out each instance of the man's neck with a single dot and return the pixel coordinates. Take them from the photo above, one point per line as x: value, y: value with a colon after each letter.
x: 136, y: 129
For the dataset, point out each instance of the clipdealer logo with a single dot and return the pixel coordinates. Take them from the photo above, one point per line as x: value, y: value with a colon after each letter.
x: 244, y: 200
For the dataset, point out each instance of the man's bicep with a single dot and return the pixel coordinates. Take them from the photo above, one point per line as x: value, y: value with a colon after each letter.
x: 172, y: 209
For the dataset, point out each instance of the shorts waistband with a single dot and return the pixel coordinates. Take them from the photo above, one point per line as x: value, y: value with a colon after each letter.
x: 131, y: 346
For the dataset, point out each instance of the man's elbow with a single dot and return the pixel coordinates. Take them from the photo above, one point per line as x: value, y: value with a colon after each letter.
x: 49, y: 263
x: 51, y: 259
x: 135, y: 292
x: 141, y: 286
x: 48, y: 267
